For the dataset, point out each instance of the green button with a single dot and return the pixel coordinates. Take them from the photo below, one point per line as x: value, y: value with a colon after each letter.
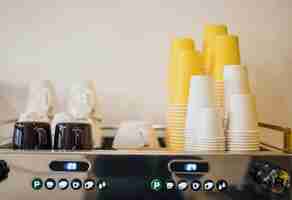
x: 37, y: 184
x: 156, y: 185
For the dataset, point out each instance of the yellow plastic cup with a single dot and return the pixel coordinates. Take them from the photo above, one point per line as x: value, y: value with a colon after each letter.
x: 208, y: 61
x: 226, y: 53
x: 178, y: 45
x: 211, y: 31
x: 199, y: 66
x: 188, y: 65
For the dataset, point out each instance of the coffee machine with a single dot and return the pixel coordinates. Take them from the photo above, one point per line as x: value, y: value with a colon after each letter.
x: 107, y: 173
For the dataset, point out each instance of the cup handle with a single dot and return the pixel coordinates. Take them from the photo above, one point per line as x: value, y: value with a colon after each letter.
x: 18, y: 138
x: 42, y: 137
x: 58, y: 138
x: 77, y: 140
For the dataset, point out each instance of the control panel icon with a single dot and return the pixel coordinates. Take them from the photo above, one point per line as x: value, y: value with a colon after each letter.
x: 63, y: 184
x: 89, y: 184
x: 170, y: 185
x: 156, y: 185
x: 221, y: 185
x: 76, y: 184
x: 209, y: 186
x: 182, y: 185
x: 196, y: 186
x: 102, y: 185
x: 37, y: 184
x: 50, y: 184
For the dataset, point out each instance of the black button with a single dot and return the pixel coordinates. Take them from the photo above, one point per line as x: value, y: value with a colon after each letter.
x: 196, y: 186
x: 102, y: 185
x: 89, y: 184
x: 170, y: 185
x: 182, y: 185
x: 50, y: 184
x: 37, y: 184
x: 63, y: 184
x: 209, y: 185
x: 76, y: 184
x: 221, y: 185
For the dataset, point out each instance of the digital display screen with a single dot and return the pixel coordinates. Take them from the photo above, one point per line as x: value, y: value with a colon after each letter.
x: 69, y: 166
x: 189, y: 167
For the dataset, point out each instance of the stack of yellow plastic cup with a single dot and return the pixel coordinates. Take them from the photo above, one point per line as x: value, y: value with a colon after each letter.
x: 226, y: 53
x: 178, y: 45
x: 188, y: 63
x: 211, y: 31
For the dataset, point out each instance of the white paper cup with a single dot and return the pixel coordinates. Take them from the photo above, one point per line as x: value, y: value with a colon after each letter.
x: 243, y: 120
x: 210, y: 125
x: 176, y: 114
x: 243, y: 150
x: 242, y: 114
x: 176, y: 120
x: 177, y: 105
x: 236, y: 141
x: 232, y: 72
x: 176, y: 125
x: 201, y: 95
x: 243, y: 147
x: 177, y: 109
x: 206, y: 146
x: 207, y: 150
x: 210, y: 142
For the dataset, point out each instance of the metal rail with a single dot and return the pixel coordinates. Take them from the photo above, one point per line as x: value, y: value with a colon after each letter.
x: 287, y: 135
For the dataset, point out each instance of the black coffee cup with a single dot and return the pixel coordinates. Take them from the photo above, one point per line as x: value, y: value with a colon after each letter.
x: 73, y: 136
x: 32, y: 136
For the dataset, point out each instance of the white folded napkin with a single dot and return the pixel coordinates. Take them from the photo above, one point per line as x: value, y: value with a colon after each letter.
x: 135, y: 134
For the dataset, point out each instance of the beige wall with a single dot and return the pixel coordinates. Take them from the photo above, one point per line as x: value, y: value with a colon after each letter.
x: 123, y: 45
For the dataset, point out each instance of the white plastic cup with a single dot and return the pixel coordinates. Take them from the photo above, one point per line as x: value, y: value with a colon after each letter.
x: 235, y: 82
x: 235, y: 72
x: 210, y: 125
x: 201, y: 95
x: 242, y: 114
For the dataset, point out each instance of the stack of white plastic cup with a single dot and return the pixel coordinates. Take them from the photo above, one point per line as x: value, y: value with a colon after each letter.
x: 242, y: 133
x: 235, y: 82
x: 201, y: 95
x: 219, y: 97
x: 210, y: 133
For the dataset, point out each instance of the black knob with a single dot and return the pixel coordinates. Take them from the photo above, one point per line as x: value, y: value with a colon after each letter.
x: 4, y: 170
x: 271, y: 178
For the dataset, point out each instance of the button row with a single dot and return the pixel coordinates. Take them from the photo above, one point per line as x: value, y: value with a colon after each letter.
x: 63, y: 184
x: 208, y: 185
